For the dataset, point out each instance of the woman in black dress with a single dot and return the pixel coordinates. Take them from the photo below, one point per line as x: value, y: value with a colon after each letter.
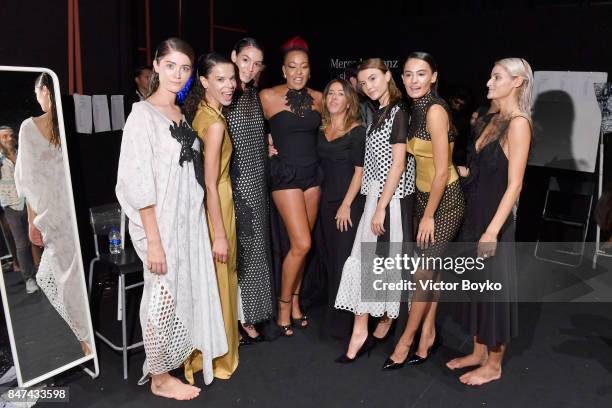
x: 341, y: 149
x: 497, y: 162
x: 293, y: 112
x: 250, y: 188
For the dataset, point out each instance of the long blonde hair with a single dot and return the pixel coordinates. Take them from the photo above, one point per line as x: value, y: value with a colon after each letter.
x: 352, y: 114
x: 518, y: 67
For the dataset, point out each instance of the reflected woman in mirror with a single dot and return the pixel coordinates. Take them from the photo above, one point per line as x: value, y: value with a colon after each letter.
x: 40, y: 177
x: 160, y: 187
x: 14, y: 208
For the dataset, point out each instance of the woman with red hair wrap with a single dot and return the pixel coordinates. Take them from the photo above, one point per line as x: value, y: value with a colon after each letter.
x: 293, y: 112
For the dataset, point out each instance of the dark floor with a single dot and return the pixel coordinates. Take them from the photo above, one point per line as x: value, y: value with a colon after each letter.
x: 562, y: 358
x: 44, y: 341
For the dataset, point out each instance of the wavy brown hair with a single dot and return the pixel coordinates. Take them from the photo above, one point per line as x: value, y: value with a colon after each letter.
x: 352, y: 114
x: 44, y: 80
x: 395, y: 95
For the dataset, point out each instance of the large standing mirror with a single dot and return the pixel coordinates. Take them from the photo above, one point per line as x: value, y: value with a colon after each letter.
x: 43, y: 294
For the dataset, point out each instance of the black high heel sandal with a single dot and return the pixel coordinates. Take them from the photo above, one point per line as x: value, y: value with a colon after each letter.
x: 246, y: 339
x: 415, y: 359
x: 287, y: 327
x: 299, y: 322
x: 366, y: 347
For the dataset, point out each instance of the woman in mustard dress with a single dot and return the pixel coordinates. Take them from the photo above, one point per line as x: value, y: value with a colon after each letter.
x: 213, y: 88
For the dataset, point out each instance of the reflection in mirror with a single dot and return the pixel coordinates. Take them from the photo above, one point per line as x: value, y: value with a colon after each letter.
x: 46, y: 305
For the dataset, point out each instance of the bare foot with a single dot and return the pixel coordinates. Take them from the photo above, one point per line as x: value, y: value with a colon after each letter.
x: 164, y: 385
x: 85, y: 347
x: 357, y: 340
x: 400, y: 353
x: 482, y: 375
x: 470, y: 360
x: 382, y: 328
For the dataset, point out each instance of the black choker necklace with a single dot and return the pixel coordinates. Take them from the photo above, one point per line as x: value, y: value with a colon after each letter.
x: 299, y: 102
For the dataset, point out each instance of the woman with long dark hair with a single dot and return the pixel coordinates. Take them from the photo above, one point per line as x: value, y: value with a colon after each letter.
x: 213, y: 88
x: 160, y: 187
x: 341, y: 149
x: 439, y: 200
x: 293, y: 111
x: 496, y: 166
x: 41, y: 178
x: 246, y: 124
x: 388, y: 184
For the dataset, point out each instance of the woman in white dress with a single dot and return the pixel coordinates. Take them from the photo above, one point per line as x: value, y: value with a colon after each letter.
x: 41, y: 179
x: 386, y: 223
x: 160, y: 188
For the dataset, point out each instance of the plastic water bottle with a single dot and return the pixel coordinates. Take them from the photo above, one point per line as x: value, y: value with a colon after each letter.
x: 114, y: 241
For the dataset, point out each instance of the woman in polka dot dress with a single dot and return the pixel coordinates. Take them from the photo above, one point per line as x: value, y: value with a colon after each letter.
x: 251, y: 198
x: 388, y: 184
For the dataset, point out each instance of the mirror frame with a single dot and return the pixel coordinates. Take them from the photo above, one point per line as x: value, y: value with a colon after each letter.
x: 9, y: 323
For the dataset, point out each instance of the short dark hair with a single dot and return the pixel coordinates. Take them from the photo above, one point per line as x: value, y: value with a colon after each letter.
x: 138, y: 70
x: 351, y: 70
x: 247, y: 42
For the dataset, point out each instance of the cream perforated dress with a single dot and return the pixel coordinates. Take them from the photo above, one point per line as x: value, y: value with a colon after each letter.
x: 160, y: 165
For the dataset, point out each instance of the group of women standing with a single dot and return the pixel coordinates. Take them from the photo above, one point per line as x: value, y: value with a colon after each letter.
x: 195, y: 183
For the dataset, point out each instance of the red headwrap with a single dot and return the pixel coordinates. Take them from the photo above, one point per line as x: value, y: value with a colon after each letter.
x: 295, y: 43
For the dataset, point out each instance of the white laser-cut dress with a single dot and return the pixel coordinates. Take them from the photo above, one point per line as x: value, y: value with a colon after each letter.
x: 180, y: 310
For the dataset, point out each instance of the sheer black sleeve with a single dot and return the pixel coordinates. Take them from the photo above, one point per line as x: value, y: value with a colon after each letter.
x: 358, y: 146
x: 399, y: 132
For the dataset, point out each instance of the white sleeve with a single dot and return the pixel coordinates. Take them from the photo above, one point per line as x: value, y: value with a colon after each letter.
x: 136, y: 178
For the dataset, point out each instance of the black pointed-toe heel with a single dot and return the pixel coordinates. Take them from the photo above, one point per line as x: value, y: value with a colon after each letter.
x: 389, y: 364
x: 386, y: 336
x: 415, y: 359
x: 366, y: 347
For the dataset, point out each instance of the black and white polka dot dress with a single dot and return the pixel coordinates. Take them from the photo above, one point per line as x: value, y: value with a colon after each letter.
x: 359, y: 290
x: 251, y: 200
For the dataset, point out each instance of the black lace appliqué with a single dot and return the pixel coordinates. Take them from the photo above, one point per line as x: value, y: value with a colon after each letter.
x: 299, y: 102
x: 185, y: 135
